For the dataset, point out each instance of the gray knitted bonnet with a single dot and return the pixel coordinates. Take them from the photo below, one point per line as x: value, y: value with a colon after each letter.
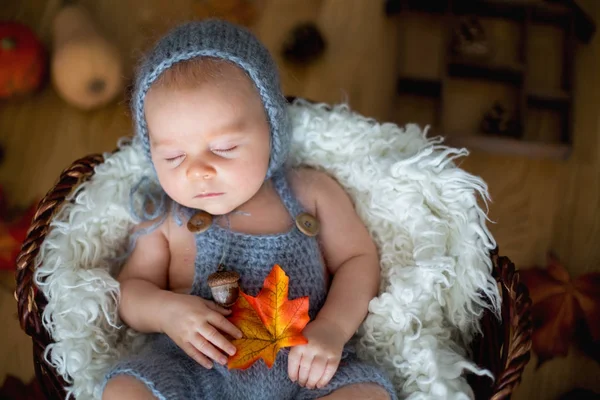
x: 218, y: 39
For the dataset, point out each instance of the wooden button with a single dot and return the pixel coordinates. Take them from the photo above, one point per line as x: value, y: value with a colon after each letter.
x: 200, y: 222
x: 307, y: 224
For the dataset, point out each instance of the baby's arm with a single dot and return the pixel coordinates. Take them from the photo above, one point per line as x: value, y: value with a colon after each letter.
x: 193, y: 323
x: 351, y: 257
x: 144, y: 280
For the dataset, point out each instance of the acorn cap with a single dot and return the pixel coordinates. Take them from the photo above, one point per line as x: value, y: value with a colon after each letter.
x: 223, y: 278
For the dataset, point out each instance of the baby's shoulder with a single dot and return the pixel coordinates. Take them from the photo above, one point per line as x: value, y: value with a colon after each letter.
x: 163, y: 225
x: 312, y: 186
x: 306, y: 178
x: 154, y: 226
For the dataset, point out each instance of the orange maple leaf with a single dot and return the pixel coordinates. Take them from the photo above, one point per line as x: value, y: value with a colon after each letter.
x: 564, y: 310
x: 268, y: 322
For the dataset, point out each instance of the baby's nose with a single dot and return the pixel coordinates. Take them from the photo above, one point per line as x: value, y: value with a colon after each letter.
x: 201, y: 170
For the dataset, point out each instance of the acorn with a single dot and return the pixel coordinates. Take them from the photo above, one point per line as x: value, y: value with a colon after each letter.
x: 470, y: 39
x: 224, y: 287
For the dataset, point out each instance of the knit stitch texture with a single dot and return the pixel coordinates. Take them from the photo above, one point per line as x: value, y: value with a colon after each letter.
x: 223, y: 40
x: 170, y: 374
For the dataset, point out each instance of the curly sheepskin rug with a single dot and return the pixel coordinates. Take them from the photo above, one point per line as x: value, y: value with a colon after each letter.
x: 420, y: 208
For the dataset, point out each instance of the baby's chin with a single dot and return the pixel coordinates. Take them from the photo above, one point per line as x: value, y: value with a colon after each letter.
x: 213, y: 207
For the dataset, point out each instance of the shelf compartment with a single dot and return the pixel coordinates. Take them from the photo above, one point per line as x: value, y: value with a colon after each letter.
x: 549, y: 13
x: 509, y: 146
x: 558, y: 12
x: 466, y: 68
x: 421, y: 110
x: 396, y: 6
x: 552, y: 99
x: 419, y: 86
x: 508, y: 9
x: 515, y: 10
x: 547, y: 125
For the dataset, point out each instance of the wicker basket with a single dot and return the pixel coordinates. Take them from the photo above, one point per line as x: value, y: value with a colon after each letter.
x: 504, y: 347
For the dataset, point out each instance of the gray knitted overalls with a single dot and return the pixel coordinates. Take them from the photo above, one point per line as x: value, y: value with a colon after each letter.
x: 171, y: 374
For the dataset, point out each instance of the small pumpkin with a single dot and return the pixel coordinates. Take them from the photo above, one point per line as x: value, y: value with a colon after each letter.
x: 86, y: 67
x: 22, y: 60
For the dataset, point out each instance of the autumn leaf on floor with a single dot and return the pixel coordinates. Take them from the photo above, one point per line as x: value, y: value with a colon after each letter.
x: 564, y: 311
x: 13, y: 230
x: 268, y: 321
x: 15, y: 389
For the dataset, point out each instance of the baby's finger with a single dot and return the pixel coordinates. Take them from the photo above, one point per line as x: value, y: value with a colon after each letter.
x: 294, y: 358
x: 329, y: 372
x: 197, y: 356
x: 304, y: 370
x: 219, y: 321
x: 316, y: 372
x: 214, y: 306
x: 206, y: 348
x: 210, y: 333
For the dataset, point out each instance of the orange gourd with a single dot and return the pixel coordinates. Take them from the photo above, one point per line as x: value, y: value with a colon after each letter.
x: 86, y: 68
x: 22, y: 60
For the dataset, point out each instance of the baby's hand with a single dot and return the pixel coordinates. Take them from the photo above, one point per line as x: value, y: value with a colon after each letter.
x: 315, y: 363
x: 192, y: 322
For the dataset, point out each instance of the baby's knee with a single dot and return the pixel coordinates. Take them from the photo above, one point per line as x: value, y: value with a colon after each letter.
x: 126, y: 387
x: 363, y: 391
x: 369, y: 391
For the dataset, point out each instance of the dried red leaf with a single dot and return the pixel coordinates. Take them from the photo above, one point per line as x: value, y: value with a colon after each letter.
x: 564, y: 311
x: 587, y: 293
x: 15, y: 389
x: 13, y: 230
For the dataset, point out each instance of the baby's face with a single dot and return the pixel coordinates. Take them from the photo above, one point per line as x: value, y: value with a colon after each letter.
x: 210, y: 145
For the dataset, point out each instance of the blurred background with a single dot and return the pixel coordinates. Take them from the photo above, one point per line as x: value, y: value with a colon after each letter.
x: 514, y: 81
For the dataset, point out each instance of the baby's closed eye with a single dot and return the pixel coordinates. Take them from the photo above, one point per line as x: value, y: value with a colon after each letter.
x: 224, y: 149
x: 173, y: 160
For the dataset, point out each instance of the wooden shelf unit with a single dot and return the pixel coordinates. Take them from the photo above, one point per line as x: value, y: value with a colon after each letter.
x: 526, y: 15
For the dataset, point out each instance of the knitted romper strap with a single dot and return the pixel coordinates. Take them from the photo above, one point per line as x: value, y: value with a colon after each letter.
x: 283, y: 189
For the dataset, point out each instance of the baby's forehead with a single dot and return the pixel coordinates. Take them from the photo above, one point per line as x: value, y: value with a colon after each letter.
x: 221, y: 99
x: 231, y: 128
x: 201, y: 71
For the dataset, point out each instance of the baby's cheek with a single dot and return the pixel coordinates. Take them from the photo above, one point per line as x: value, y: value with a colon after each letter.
x: 171, y: 186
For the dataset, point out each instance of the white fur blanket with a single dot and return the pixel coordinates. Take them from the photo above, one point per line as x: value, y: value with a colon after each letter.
x: 420, y: 208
